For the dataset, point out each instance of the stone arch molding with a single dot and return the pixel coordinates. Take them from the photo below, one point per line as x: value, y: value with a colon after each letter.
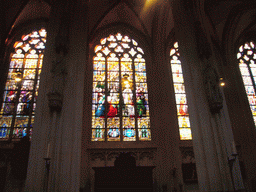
x: 240, y: 24
x: 121, y: 12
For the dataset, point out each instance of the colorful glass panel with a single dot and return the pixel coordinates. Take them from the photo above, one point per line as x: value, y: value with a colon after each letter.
x: 180, y: 94
x: 120, y: 94
x: 246, y: 56
x: 21, y: 89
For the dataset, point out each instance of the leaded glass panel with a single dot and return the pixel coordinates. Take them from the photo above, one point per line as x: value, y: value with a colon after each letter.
x: 180, y: 94
x: 246, y: 56
x: 120, y: 106
x: 21, y: 89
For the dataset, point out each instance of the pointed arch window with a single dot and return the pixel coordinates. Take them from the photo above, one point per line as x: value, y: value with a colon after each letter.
x: 120, y: 108
x: 180, y: 94
x: 21, y: 88
x: 247, y: 57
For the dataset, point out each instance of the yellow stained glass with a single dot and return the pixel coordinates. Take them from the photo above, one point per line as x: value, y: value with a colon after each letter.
x: 22, y: 84
x: 185, y: 134
x: 120, y: 97
x: 180, y: 94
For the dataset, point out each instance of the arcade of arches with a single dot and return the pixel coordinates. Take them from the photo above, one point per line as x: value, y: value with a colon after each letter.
x: 96, y: 91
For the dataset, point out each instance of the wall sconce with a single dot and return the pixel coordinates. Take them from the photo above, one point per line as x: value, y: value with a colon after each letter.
x: 222, y: 82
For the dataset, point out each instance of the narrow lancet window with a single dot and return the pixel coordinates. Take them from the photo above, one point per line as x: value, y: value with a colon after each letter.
x: 180, y: 94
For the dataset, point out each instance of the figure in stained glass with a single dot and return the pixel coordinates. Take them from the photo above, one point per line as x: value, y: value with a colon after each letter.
x: 141, y: 108
x: 24, y: 132
x: 100, y: 111
x: 127, y: 89
x: 113, y: 132
x: 144, y: 132
x: 182, y: 108
x: 121, y: 68
x: 180, y: 94
x: 3, y: 131
x: 23, y: 78
x: 98, y: 133
x: 112, y: 109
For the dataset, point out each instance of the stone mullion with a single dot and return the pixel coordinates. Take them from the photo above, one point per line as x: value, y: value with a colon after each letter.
x: 120, y: 99
x: 33, y: 95
x: 134, y: 101
x: 250, y: 71
x: 106, y: 102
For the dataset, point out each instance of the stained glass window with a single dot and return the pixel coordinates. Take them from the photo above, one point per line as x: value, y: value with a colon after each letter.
x: 180, y: 94
x: 247, y: 56
x: 21, y: 89
x: 120, y: 108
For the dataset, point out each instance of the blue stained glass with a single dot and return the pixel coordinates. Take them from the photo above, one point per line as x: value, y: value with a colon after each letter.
x: 122, y: 94
x: 100, y: 111
x: 3, y: 132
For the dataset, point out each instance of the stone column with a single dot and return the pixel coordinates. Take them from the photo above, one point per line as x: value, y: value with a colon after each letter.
x: 66, y: 173
x: 165, y: 131
x: 42, y: 143
x: 57, y: 131
x: 211, y: 130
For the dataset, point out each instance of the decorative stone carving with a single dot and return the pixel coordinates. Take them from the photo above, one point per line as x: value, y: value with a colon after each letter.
x: 148, y: 155
x: 59, y: 71
x: 212, y: 88
x: 99, y: 155
x: 109, y: 155
x: 55, y: 101
x: 187, y: 155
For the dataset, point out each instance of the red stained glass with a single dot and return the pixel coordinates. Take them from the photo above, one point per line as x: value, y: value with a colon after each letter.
x: 22, y: 85
x: 180, y: 94
x: 120, y: 93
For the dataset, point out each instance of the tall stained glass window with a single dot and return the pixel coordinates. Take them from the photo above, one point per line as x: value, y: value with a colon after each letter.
x: 21, y: 88
x: 180, y: 94
x: 120, y: 108
x: 247, y: 56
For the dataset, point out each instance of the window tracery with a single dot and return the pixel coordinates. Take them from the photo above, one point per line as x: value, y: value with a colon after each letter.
x: 120, y: 109
x: 247, y: 56
x: 21, y: 89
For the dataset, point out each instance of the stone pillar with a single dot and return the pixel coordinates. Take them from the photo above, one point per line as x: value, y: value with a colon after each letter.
x: 58, y: 126
x: 165, y: 131
x: 211, y: 130
x: 45, y: 122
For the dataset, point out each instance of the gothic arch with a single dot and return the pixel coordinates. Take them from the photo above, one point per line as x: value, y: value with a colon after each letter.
x: 113, y: 15
x: 237, y: 27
